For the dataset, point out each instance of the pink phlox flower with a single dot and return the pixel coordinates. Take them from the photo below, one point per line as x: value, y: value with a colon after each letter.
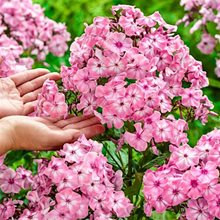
x: 139, y: 139
x: 10, y: 181
x: 198, y: 209
x: 55, y: 170
x: 192, y: 185
x: 184, y: 157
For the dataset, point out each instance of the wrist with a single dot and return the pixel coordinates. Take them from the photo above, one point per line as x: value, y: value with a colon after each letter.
x: 6, y: 139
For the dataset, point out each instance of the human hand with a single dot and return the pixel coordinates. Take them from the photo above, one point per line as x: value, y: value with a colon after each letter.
x: 18, y: 93
x: 34, y: 133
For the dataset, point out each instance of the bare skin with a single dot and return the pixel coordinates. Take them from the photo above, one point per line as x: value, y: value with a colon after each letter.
x: 19, y: 92
x: 34, y: 133
x: 18, y: 95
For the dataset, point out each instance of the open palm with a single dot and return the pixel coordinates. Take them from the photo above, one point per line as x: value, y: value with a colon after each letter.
x: 34, y: 133
x: 18, y: 93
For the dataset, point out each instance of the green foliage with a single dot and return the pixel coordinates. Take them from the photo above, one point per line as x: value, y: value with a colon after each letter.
x: 168, y: 215
x: 14, y: 159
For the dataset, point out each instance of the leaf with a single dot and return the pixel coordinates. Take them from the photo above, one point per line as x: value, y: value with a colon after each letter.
x: 2, y: 196
x: 168, y: 215
x: 14, y: 156
x: 135, y: 188
x: 214, y: 83
x: 158, y: 161
x: 109, y: 150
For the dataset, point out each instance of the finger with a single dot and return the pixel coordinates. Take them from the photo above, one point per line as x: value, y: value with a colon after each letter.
x: 36, y: 83
x: 48, y: 120
x: 91, y: 131
x: 70, y: 135
x: 83, y: 124
x: 31, y: 96
x: 29, y: 107
x: 21, y: 78
x: 72, y: 120
x: 59, y: 138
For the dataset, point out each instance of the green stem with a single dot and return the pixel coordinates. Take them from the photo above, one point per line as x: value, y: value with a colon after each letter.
x: 181, y: 115
x: 129, y: 165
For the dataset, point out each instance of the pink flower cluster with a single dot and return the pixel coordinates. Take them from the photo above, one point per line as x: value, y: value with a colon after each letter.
x: 24, y: 29
x: 201, y: 13
x: 192, y: 176
x: 10, y: 57
x: 77, y: 184
x: 12, y: 182
x: 133, y: 68
x: 50, y: 102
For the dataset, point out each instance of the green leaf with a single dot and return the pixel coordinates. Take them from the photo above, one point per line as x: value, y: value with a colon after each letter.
x: 109, y: 150
x: 168, y: 215
x: 158, y: 161
x: 14, y: 156
x: 2, y: 196
x: 135, y: 188
x: 214, y: 83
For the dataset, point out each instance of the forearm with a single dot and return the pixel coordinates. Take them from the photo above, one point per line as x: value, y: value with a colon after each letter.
x: 5, y: 138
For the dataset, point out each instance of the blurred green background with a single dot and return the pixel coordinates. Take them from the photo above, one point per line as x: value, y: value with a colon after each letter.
x: 75, y: 13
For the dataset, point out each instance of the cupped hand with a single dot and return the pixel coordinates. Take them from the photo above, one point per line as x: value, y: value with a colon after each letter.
x: 18, y: 93
x: 34, y: 133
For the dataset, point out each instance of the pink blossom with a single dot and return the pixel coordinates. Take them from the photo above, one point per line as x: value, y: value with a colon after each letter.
x: 139, y: 139
x: 118, y: 42
x: 68, y: 181
x: 59, y: 214
x: 7, y: 209
x: 87, y: 103
x: 56, y: 169
x: 153, y: 184
x: 129, y: 25
x: 110, y: 118
x: 212, y: 190
x: 191, y: 97
x: 184, y: 157
x: 10, y: 181
x: 97, y: 66
x: 198, y: 209
x: 162, y: 131
x: 174, y: 194
x: 50, y: 102
x: 135, y: 95
x: 120, y: 205
x: 213, y: 206
x: 73, y: 152
x: 26, y: 177
x: 83, y: 81
x: 159, y: 203
x: 139, y: 67
x: 193, y: 187
x: 115, y: 65
x: 207, y: 44
x: 206, y: 173
x: 68, y: 200
x: 67, y: 74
